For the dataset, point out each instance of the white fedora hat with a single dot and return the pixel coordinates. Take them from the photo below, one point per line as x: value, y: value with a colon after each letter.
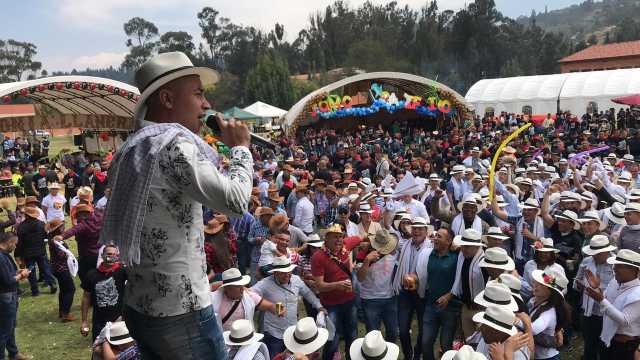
x: 162, y: 69
x: 498, y: 317
x: 472, y: 199
x: 419, y: 222
x: 118, y: 334
x: 545, y: 245
x: 305, y: 337
x: 365, y: 208
x: 495, y: 233
x: 241, y: 333
x: 234, y: 277
x: 435, y: 177
x: 497, y: 258
x: 625, y: 257
x: 530, y: 203
x: 598, y: 244
x: 500, y: 201
x: 373, y: 346
x: 632, y: 207
x: 282, y: 264
x: 551, y: 278
x: 592, y: 215
x: 497, y: 294
x: 315, y: 241
x: 513, y: 282
x: 470, y: 237
x: 465, y: 353
x: 571, y: 216
x: 615, y: 213
x: 457, y: 169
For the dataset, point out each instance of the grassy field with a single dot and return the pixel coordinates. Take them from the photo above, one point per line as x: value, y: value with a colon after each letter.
x: 41, y: 335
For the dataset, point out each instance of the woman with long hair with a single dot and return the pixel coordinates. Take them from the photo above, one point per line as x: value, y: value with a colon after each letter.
x: 550, y: 313
x: 219, y: 245
x: 544, y: 256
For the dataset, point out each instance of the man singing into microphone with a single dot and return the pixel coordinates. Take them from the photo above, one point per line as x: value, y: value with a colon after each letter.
x: 160, y: 178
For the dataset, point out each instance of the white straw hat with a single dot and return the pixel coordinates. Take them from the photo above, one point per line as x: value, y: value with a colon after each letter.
x: 281, y: 264
x: 496, y: 233
x: 118, y: 334
x: 625, y: 257
x: 315, y: 241
x: 470, y: 237
x: 544, y: 245
x: 233, y: 276
x: 598, y: 244
x: 571, y: 216
x: 592, y: 215
x: 305, y: 337
x: 497, y: 258
x: 465, y: 353
x: 497, y: 294
x: 500, y: 318
x: 372, y: 346
x: 615, y: 213
x: 513, y: 282
x: 241, y: 333
x: 551, y: 278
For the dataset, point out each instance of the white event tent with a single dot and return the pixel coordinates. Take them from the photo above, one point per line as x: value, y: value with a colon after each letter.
x: 542, y: 94
x: 267, y: 113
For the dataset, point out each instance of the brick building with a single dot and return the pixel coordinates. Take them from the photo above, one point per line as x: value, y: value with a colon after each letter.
x: 625, y: 55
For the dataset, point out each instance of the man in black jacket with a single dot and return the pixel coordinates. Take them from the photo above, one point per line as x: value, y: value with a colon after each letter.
x: 31, y: 250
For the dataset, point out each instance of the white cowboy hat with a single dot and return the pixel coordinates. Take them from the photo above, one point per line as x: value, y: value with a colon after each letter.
x: 497, y: 258
x: 632, y: 207
x: 496, y: 294
x: 118, y: 334
x: 465, y: 353
x: 233, y: 276
x: 513, y: 283
x: 598, y: 244
x: 365, y: 208
x: 384, y: 242
x: 162, y: 69
x: 625, y: 257
x: 470, y: 237
x: 615, y: 213
x: 544, y: 245
x: 471, y: 199
x: 305, y: 337
x: 592, y: 215
x: 373, y: 346
x: 495, y: 233
x: 315, y: 241
x: 282, y: 264
x: 241, y: 333
x: 419, y: 222
x: 500, y: 318
x: 571, y: 216
x: 552, y: 279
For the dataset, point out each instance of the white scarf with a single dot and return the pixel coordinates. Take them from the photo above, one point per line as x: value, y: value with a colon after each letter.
x: 458, y: 226
x: 457, y: 189
x: 538, y: 231
x: 476, y: 280
x: 408, y: 255
x: 619, y: 295
x: 422, y: 265
x: 72, y: 263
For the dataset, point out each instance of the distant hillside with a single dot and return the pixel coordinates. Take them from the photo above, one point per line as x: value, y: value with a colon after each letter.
x: 592, y: 21
x: 109, y: 73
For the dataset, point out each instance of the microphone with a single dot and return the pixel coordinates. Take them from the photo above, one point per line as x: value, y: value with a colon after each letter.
x: 212, y: 123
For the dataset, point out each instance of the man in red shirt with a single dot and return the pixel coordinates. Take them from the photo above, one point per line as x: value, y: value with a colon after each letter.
x: 331, y: 268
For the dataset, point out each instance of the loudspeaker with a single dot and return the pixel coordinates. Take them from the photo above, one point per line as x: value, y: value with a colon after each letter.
x: 77, y: 140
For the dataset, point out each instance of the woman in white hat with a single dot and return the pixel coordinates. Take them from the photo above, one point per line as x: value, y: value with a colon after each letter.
x: 620, y: 304
x: 597, y: 251
x: 244, y: 343
x: 373, y: 346
x: 548, y: 309
x: 499, y: 336
x: 233, y: 301
x: 284, y: 288
x: 544, y: 256
x: 305, y: 338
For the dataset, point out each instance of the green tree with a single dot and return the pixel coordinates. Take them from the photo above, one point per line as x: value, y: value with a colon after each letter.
x: 176, y: 41
x: 225, y: 93
x: 141, y: 34
x: 270, y: 82
x: 16, y: 60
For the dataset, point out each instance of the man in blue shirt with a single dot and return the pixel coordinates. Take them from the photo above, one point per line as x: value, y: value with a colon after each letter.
x: 9, y: 278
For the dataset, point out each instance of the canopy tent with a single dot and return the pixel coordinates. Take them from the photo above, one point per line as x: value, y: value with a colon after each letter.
x: 541, y: 94
x: 263, y: 110
x: 71, y: 101
x: 239, y: 114
x: 301, y: 113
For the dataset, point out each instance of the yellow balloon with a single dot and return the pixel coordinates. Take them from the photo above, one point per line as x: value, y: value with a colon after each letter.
x: 494, y: 162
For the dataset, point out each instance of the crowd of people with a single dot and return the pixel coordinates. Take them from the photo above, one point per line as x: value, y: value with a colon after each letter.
x: 394, y: 229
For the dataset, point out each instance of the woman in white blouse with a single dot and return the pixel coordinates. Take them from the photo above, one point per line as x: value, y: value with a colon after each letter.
x: 548, y: 309
x: 544, y: 257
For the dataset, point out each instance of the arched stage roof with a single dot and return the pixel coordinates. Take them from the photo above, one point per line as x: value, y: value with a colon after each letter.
x: 574, y: 91
x: 413, y: 84
x: 77, y: 101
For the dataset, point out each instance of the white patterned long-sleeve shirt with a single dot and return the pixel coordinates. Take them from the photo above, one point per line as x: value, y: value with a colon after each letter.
x: 171, y: 277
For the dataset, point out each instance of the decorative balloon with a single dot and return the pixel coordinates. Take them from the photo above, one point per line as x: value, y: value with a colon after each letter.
x: 496, y: 156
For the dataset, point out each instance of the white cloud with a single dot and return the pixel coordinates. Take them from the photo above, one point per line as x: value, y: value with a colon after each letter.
x: 98, y: 61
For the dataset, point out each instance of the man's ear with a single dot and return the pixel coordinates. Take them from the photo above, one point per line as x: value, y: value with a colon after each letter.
x: 165, y: 97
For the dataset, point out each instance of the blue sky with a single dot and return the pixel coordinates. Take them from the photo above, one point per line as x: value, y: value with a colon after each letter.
x: 88, y: 33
